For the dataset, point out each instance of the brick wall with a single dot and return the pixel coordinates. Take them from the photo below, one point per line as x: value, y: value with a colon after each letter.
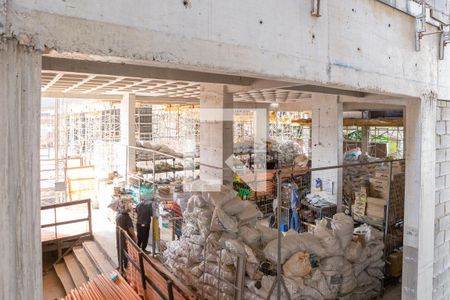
x: 441, y: 280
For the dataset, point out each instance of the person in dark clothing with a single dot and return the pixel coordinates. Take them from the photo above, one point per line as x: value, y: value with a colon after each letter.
x: 123, y: 221
x: 144, y: 212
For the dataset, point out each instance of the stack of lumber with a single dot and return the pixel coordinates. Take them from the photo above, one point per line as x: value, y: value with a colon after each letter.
x: 261, y: 184
x: 111, y: 286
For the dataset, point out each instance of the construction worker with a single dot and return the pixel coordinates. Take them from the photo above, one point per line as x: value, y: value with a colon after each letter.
x: 144, y: 211
x: 123, y: 221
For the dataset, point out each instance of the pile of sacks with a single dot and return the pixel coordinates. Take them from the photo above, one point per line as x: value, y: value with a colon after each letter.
x: 328, y: 263
x: 287, y: 151
x: 219, y: 228
x: 325, y: 264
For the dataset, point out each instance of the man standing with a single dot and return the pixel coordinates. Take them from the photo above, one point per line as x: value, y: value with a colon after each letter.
x: 123, y: 221
x: 144, y: 219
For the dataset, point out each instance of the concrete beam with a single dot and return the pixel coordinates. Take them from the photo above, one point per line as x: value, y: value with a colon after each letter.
x: 141, y: 71
x: 20, y: 247
x: 324, y: 90
x: 352, y: 106
x: 119, y: 97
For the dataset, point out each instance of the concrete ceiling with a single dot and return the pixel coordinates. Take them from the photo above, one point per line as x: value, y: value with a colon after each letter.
x: 92, y: 85
x: 109, y: 87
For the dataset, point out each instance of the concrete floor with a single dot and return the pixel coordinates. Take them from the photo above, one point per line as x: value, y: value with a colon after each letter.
x: 393, y: 292
x: 105, y: 233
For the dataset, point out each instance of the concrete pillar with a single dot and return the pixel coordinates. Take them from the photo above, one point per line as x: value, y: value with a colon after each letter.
x: 128, y: 130
x: 20, y: 98
x: 327, y: 142
x: 418, y: 236
x: 216, y: 133
x: 365, y: 139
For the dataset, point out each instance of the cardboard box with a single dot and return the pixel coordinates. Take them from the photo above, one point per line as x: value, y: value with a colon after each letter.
x: 394, y: 264
x: 376, y: 201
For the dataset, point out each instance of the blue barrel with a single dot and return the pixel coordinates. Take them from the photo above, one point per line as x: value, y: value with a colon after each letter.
x: 284, y: 227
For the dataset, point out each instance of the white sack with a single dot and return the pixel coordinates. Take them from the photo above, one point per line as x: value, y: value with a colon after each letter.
x: 250, y: 236
x: 353, y: 251
x: 223, y: 222
x: 328, y: 240
x: 342, y: 226
x: 297, y: 266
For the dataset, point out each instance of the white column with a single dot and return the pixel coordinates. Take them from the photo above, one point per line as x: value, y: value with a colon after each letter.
x: 127, y: 129
x: 20, y: 99
x: 216, y: 133
x: 418, y: 236
x: 327, y: 118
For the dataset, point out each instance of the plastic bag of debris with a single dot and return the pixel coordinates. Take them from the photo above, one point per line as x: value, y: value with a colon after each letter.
x: 250, y: 215
x: 348, y: 279
x: 353, y: 251
x: 236, y: 206
x: 318, y: 282
x: 328, y: 240
x: 267, y: 234
x: 297, y: 265
x: 290, y: 244
x: 352, y: 154
x: 222, y: 222
x: 343, y: 226
x: 250, y: 236
x: 219, y: 198
x: 311, y: 244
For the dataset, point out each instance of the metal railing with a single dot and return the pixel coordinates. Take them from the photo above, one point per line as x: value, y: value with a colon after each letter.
x: 55, y: 224
x: 145, y: 266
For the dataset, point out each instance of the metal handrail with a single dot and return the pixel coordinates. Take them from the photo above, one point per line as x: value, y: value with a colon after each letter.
x: 55, y: 224
x: 141, y: 268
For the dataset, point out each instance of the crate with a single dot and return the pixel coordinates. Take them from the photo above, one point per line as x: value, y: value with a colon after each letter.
x: 321, y: 212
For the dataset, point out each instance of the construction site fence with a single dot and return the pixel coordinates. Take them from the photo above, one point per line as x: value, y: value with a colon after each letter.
x: 144, y: 274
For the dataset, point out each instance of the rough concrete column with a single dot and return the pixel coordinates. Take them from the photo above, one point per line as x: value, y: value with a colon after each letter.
x: 216, y: 133
x: 20, y: 98
x: 127, y: 128
x: 418, y: 239
x: 327, y: 139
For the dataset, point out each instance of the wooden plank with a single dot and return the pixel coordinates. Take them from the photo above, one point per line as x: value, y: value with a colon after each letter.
x: 75, y: 270
x: 64, y: 277
x: 88, y: 267
x: 100, y: 259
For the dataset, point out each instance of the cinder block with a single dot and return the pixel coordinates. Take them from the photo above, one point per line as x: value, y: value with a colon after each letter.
x: 440, y: 155
x: 437, y: 197
x: 444, y: 195
x: 440, y: 182
x: 444, y: 141
x: 438, y: 113
x: 447, y: 180
x: 444, y: 223
x: 444, y: 168
x: 447, y: 236
x: 447, y: 208
x: 439, y: 211
x: 441, y: 127
x: 439, y: 238
x: 445, y: 113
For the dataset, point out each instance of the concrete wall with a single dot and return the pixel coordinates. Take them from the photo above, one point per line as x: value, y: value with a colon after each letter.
x: 441, y: 280
x: 359, y: 45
